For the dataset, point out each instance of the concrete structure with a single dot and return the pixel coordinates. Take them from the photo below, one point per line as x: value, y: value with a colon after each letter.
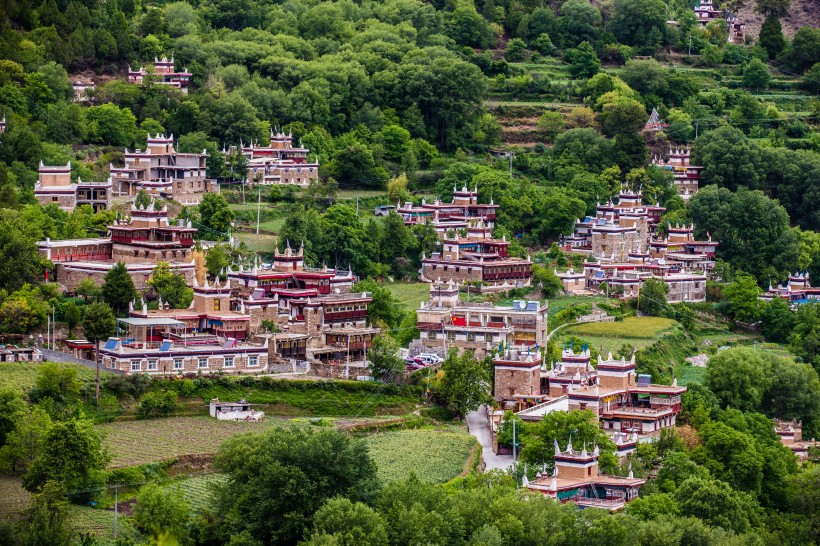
x: 162, y: 72
x: 234, y: 411
x: 686, y: 176
x: 280, y: 162
x: 480, y: 327
x: 162, y: 171
x: 54, y: 186
x: 140, y: 243
x: 454, y: 215
x: 791, y: 435
x: 655, y: 123
x: 576, y: 478
x: 796, y: 291
x: 622, y: 252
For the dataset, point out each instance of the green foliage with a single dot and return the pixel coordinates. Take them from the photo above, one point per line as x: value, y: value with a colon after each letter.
x: 385, y: 363
x: 434, y: 456
x: 652, y: 298
x: 278, y: 480
x: 217, y: 259
x: 56, y: 382
x: 464, y: 384
x: 579, y: 427
x: 215, y: 217
x: 584, y: 63
x: 742, y: 295
x: 771, y: 37
x: 756, y: 75
x: 118, y: 288
x: 162, y: 513
x: 157, y: 404
x: 739, y: 378
x: 171, y: 287
x: 71, y: 455
x: 12, y: 407
x: 98, y: 322
x: 349, y: 524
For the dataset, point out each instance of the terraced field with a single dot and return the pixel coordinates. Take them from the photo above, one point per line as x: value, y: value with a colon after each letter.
x: 139, y: 442
x: 23, y: 374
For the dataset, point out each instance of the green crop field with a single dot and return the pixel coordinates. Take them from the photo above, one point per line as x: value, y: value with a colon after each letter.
x: 139, y: 442
x: 196, y: 490
x: 410, y: 294
x: 24, y: 374
x: 629, y: 328
x: 100, y: 524
x: 434, y: 456
x: 263, y: 242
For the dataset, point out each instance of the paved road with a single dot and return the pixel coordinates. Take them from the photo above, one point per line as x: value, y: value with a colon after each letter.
x: 480, y: 428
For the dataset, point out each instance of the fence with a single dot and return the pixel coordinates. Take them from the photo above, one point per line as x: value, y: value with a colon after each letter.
x: 59, y: 356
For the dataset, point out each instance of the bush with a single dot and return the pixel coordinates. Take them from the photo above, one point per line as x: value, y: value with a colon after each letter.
x: 157, y: 404
x: 126, y: 476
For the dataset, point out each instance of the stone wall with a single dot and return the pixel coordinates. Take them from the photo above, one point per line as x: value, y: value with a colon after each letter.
x: 509, y: 382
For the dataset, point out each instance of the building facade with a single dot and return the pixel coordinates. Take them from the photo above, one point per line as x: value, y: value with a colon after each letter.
x: 280, y: 162
x: 162, y: 72
x: 54, y: 186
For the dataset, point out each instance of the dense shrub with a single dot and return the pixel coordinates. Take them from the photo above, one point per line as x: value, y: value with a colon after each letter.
x: 157, y: 404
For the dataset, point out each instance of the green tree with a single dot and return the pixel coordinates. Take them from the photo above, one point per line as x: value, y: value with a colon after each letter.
x: 162, y: 512
x: 578, y: 427
x: 465, y: 384
x: 756, y: 74
x: 72, y: 454
x: 640, y: 23
x: 771, y: 37
x: 25, y: 442
x: 215, y: 218
x: 217, y: 259
x: 384, y: 358
x: 20, y: 262
x: 350, y: 524
x: 72, y: 317
x: 717, y: 504
x: 12, y: 407
x: 652, y: 297
x: 118, y: 288
x: 742, y: 295
x: 545, y: 279
x: 739, y: 377
x: 805, y: 48
x: 47, y: 521
x: 516, y: 50
x: 171, y: 287
x: 112, y: 125
x: 384, y: 308
x: 99, y: 324
x: 87, y: 288
x: 57, y: 382
x: 277, y: 481
x: 778, y: 320
x: 583, y: 62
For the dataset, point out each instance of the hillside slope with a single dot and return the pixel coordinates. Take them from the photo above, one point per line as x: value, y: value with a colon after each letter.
x: 802, y: 13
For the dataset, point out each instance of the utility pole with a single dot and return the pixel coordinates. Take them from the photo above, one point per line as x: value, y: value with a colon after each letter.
x: 48, y: 331
x: 511, y: 155
x: 258, y: 208
x: 347, y: 364
x: 697, y: 123
x: 357, y: 206
x: 690, y: 44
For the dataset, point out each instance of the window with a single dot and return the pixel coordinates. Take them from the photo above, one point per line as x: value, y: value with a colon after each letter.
x: 216, y: 304
x: 470, y: 336
x: 432, y: 335
x: 152, y: 365
x: 202, y: 363
x: 228, y: 362
x: 135, y: 366
x: 178, y: 364
x: 253, y: 361
x: 451, y: 336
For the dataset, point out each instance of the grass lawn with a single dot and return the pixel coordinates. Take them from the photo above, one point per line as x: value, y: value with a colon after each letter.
x: 139, y: 442
x: 263, y: 242
x: 434, y: 456
x: 24, y: 374
x: 410, y: 294
x: 13, y: 498
x: 562, y: 302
